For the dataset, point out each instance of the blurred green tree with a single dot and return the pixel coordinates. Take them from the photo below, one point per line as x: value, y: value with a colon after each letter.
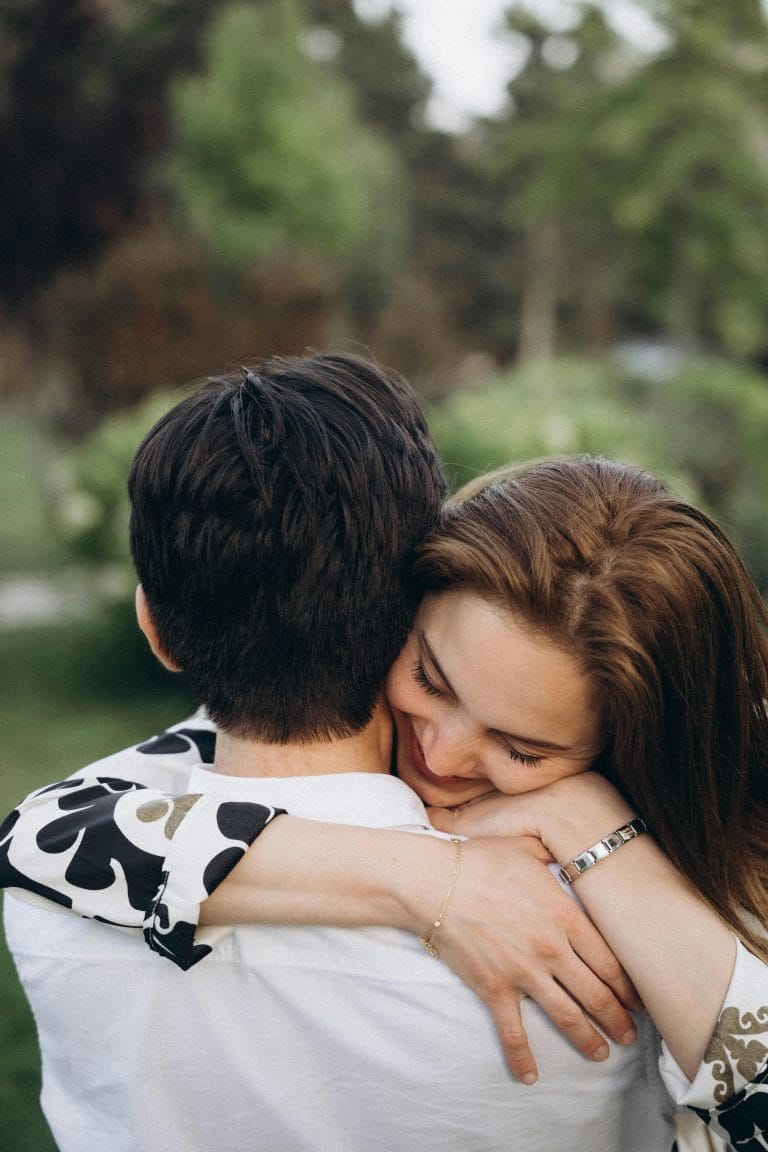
x: 390, y: 92
x: 557, y: 188
x: 269, y: 153
x: 619, y: 189
x: 705, y: 429
x: 441, y: 247
x: 689, y: 134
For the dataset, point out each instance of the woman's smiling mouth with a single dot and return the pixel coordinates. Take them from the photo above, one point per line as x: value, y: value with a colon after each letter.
x: 419, y: 763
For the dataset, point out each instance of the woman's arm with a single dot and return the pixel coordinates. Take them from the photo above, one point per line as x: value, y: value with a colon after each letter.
x: 547, y: 949
x: 139, y: 857
x: 678, y: 952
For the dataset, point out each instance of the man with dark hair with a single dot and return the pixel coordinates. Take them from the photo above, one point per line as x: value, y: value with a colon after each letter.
x: 274, y: 520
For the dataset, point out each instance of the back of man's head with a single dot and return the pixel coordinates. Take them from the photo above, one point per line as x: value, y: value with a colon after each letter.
x: 274, y: 518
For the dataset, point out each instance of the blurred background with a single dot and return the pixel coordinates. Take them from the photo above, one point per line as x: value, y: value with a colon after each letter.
x: 551, y: 216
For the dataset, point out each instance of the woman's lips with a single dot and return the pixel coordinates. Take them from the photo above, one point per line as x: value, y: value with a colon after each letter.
x: 420, y: 764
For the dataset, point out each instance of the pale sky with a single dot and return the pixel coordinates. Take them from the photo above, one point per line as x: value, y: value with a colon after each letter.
x: 461, y: 44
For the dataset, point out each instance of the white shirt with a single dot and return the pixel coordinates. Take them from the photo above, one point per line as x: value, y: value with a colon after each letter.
x: 306, y: 1039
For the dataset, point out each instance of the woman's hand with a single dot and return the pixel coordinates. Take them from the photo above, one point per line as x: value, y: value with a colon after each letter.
x: 510, y: 931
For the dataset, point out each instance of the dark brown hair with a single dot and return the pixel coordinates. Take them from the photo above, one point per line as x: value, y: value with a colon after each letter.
x: 652, y: 599
x: 274, y: 521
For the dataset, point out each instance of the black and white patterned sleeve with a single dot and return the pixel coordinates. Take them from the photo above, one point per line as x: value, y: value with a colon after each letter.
x: 730, y: 1089
x: 112, y: 849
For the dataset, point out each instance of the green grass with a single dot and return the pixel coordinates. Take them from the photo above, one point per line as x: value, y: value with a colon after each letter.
x: 68, y: 695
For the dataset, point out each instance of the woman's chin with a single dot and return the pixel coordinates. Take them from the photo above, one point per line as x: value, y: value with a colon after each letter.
x: 438, y: 795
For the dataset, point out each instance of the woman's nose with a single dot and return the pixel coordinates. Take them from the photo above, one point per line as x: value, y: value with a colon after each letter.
x: 450, y: 751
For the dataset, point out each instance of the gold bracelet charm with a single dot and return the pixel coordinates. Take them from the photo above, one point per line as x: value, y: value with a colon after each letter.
x: 428, y: 939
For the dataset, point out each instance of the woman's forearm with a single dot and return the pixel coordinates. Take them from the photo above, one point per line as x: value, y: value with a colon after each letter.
x: 677, y: 951
x: 307, y: 872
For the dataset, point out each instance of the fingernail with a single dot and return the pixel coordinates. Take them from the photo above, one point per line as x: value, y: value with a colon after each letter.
x: 601, y: 1053
x: 629, y: 1036
x: 529, y: 1078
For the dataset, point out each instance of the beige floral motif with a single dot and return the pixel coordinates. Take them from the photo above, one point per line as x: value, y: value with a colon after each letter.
x: 176, y: 810
x: 728, y: 1050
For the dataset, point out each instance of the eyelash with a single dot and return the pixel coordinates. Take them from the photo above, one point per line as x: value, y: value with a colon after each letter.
x: 526, y: 761
x: 421, y: 678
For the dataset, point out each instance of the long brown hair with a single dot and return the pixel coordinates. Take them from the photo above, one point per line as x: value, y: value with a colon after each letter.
x: 652, y: 599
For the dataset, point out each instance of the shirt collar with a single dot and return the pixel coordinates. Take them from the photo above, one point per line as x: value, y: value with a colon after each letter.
x: 373, y: 799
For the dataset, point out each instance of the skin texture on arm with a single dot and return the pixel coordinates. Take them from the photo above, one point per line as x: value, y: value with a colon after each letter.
x: 547, y: 948
x: 677, y: 951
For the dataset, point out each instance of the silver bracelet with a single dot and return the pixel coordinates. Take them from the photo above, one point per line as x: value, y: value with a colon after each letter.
x: 572, y: 871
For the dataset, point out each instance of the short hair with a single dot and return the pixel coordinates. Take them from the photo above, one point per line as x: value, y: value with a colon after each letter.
x: 651, y: 598
x: 274, y: 521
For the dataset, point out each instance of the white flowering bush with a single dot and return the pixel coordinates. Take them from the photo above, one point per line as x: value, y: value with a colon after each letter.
x: 89, y: 497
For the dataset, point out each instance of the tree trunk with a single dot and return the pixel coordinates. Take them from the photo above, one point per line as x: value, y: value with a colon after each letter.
x: 538, y: 309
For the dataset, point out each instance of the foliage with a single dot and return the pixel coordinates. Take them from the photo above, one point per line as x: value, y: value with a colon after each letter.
x: 623, y: 190
x: 619, y: 198
x: 91, y: 511
x: 269, y: 152
x: 705, y: 430
x: 26, y: 539
x: 390, y: 87
x: 434, y: 262
x: 155, y: 311
x: 691, y: 210
x: 556, y: 184
x: 82, y: 112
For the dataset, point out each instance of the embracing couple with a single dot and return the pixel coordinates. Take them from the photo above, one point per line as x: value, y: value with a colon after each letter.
x: 523, y: 732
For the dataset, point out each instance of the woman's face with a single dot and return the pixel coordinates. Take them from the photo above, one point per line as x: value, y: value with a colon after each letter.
x: 481, y: 704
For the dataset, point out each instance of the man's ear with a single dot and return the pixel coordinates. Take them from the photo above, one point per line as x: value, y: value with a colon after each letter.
x: 147, y: 625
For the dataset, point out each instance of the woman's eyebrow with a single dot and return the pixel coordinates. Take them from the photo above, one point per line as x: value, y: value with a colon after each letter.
x: 529, y: 741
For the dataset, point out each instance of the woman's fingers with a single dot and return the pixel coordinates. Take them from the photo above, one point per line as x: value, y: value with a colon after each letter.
x: 588, y: 993
x: 505, y: 1010
x: 512, y: 931
x: 569, y: 1017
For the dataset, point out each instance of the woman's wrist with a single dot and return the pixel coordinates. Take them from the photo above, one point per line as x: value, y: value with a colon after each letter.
x: 579, y: 811
x: 417, y: 880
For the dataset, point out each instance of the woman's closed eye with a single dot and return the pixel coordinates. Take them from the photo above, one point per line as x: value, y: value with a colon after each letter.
x: 523, y: 758
x: 421, y: 678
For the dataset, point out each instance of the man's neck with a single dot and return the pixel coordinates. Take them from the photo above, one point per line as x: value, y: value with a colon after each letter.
x: 366, y: 751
